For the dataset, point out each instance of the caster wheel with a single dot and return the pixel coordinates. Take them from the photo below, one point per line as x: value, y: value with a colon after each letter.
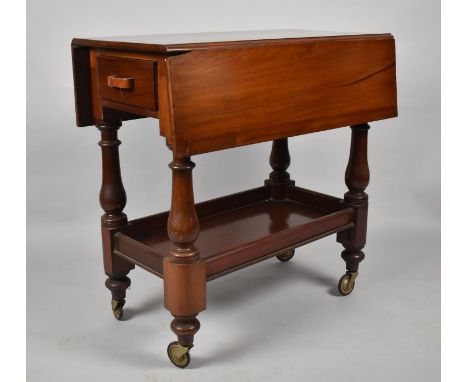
x: 117, y: 308
x: 178, y: 354
x: 346, y: 283
x: 286, y: 256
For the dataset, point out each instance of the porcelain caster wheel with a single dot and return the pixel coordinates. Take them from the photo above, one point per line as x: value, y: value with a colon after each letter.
x: 346, y: 283
x: 286, y: 256
x: 178, y: 354
x: 117, y: 308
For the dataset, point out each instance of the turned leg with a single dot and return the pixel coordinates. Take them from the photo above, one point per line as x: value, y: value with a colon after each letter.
x: 113, y: 199
x: 184, y: 271
x: 279, y: 179
x: 357, y: 179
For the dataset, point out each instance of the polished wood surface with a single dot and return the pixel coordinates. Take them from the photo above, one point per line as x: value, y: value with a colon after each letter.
x: 127, y: 81
x: 221, y: 96
x: 279, y: 178
x: 221, y: 90
x: 82, y: 80
x: 184, y: 271
x: 113, y: 199
x: 169, y: 43
x: 227, y: 231
x: 120, y: 83
x: 184, y: 287
x: 357, y: 179
x: 236, y: 231
x: 222, y: 99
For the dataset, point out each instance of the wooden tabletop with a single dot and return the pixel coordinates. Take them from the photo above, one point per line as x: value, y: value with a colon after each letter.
x: 213, y: 91
x: 192, y: 41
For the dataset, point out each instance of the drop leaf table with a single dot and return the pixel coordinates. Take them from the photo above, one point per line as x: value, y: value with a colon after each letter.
x: 214, y: 91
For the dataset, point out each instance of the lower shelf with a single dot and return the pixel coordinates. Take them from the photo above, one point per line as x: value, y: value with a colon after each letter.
x: 239, y: 229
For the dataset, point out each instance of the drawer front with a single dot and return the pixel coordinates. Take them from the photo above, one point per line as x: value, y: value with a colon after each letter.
x: 128, y: 81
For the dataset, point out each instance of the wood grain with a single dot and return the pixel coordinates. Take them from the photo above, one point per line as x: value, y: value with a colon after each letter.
x: 184, y: 287
x: 227, y: 98
x: 239, y: 229
x: 139, y: 73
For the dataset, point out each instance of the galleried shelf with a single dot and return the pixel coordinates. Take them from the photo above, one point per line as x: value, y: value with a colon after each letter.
x: 239, y: 229
x: 215, y: 91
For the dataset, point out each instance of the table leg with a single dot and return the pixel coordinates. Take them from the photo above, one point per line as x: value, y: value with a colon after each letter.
x: 183, y: 270
x: 279, y: 179
x: 113, y: 199
x: 357, y: 179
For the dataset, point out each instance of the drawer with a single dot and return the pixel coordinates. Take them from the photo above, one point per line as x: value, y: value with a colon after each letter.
x: 128, y: 81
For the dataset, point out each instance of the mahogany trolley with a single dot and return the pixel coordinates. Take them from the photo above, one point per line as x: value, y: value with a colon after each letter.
x: 215, y: 91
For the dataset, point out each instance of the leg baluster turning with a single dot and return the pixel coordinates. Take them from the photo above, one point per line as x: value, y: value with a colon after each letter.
x: 357, y: 179
x: 184, y: 271
x: 279, y: 180
x: 113, y: 199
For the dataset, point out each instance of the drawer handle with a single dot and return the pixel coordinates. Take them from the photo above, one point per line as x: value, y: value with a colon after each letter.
x: 120, y: 83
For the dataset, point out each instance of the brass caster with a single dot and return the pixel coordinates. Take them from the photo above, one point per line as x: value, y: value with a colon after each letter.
x: 117, y: 308
x: 286, y: 256
x: 346, y: 283
x: 178, y: 354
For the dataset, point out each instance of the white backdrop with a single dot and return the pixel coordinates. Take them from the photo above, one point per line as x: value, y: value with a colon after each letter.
x: 391, y: 324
